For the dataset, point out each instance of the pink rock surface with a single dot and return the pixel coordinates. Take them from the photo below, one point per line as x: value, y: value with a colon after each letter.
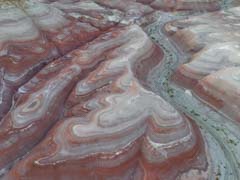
x: 112, y: 125
x: 212, y: 40
x: 221, y: 89
x: 36, y: 34
x: 196, y: 5
x: 74, y: 97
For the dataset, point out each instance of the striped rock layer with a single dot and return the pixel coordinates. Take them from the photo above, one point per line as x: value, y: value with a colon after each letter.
x: 35, y: 32
x: 212, y: 40
x: 74, y: 97
x: 110, y: 124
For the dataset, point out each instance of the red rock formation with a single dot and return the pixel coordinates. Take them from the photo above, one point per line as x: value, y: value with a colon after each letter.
x: 36, y: 32
x: 221, y: 90
x: 212, y: 40
x: 33, y: 34
x: 112, y: 125
x: 197, y: 5
x: 21, y: 43
x: 73, y: 84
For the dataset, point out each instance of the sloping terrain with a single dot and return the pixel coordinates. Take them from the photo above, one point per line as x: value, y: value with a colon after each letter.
x: 86, y: 93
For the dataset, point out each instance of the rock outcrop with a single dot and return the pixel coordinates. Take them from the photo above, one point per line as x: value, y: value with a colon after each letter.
x: 111, y: 126
x: 212, y: 40
x: 196, y: 5
x: 74, y: 96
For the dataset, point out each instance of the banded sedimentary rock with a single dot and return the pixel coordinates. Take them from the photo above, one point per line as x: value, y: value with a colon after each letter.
x: 23, y: 50
x: 32, y: 34
x: 212, y: 40
x: 34, y: 113
x: 221, y: 89
x: 112, y: 125
x: 89, y: 12
x: 132, y: 10
x: 102, y: 13
x: 197, y: 5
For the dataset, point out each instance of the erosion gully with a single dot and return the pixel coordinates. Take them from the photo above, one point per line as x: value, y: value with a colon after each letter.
x: 221, y: 135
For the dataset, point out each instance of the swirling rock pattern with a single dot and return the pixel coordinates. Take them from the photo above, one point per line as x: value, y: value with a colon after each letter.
x: 34, y: 34
x: 75, y: 96
x: 111, y: 123
x: 212, y: 40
